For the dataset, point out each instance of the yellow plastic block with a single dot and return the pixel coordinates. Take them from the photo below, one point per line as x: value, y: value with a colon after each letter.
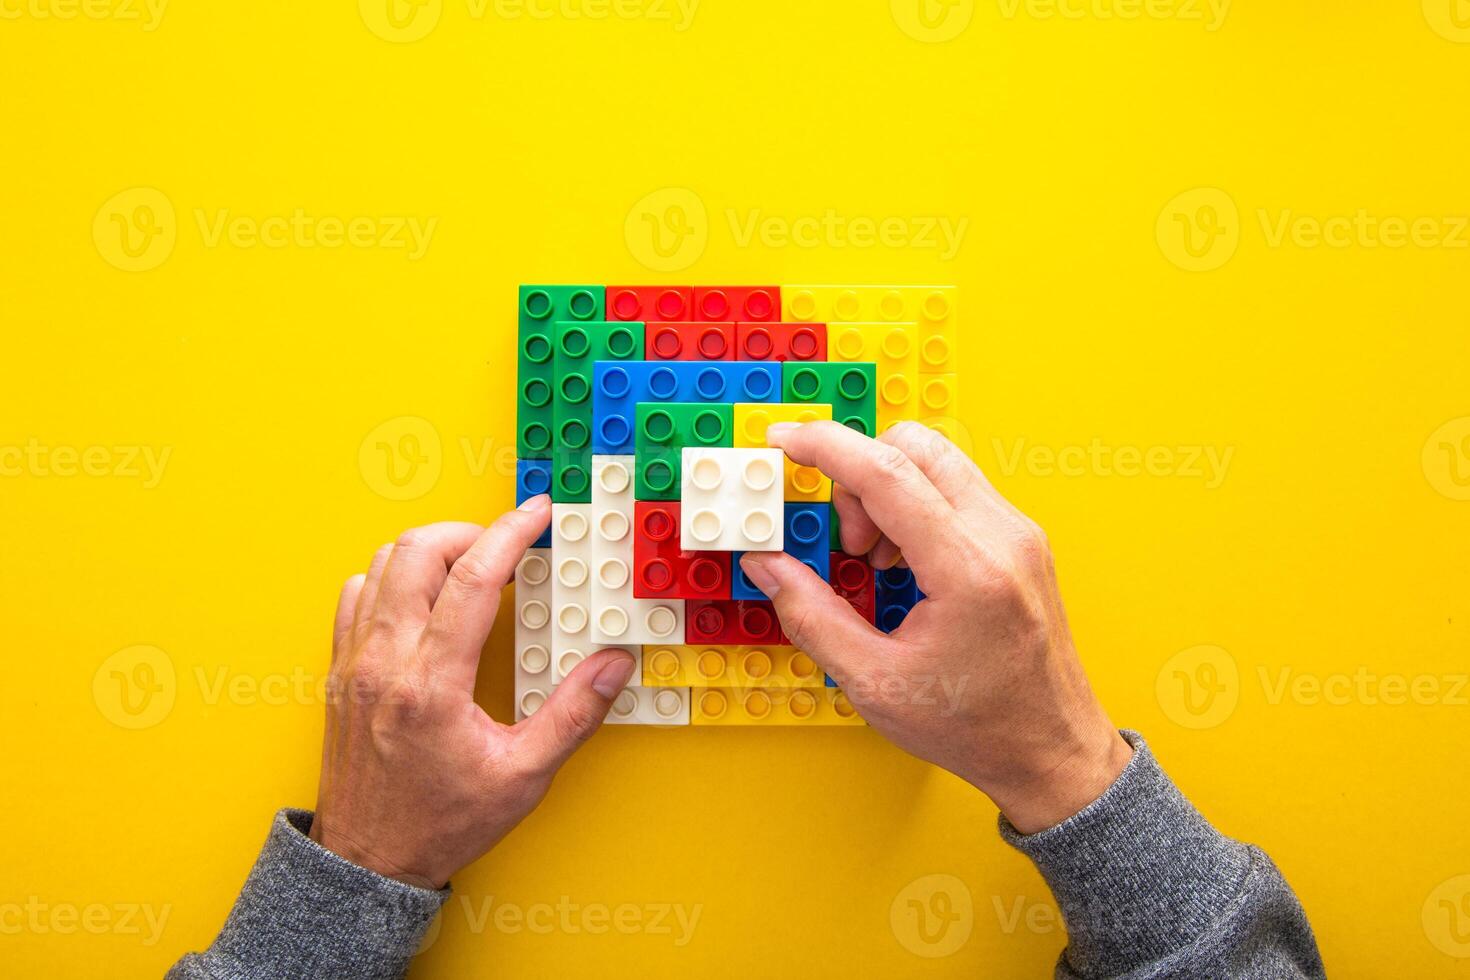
x: 894, y: 348
x: 764, y: 706
x: 931, y: 307
x: 777, y: 667
x: 803, y: 483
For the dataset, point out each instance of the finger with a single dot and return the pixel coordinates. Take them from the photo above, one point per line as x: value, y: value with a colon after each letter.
x: 817, y: 620
x: 576, y: 709
x: 896, y: 495
x: 859, y: 534
x: 951, y: 472
x: 367, y: 599
x: 885, y: 554
x: 417, y: 569
x: 346, y: 610
x: 465, y: 610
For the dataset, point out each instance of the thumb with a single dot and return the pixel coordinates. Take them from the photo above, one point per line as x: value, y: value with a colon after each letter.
x: 816, y: 620
x: 577, y: 707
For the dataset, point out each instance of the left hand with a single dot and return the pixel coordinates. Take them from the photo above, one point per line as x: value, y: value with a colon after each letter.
x: 417, y: 780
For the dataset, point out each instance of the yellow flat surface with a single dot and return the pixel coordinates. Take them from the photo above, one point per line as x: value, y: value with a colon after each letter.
x: 1211, y: 270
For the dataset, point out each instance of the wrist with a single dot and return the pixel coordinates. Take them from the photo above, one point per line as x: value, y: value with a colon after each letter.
x: 345, y: 847
x: 1061, y: 780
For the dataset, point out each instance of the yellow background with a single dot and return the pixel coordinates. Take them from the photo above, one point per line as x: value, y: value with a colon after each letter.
x: 1335, y: 541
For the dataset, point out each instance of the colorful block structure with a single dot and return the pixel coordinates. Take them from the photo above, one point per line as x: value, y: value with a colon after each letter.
x: 642, y: 411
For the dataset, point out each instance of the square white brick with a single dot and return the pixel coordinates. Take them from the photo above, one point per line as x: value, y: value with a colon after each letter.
x: 571, y: 587
x: 732, y: 500
x: 533, y: 631
x: 617, y: 617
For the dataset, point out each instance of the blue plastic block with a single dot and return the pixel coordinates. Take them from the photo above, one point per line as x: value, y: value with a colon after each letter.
x: 741, y: 587
x: 533, y: 477
x: 807, y: 536
x: 895, y: 593
x: 618, y: 387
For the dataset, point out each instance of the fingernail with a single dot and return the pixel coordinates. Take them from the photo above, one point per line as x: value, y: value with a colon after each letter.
x: 777, y: 429
x: 534, y: 503
x: 758, y: 576
x: 613, y: 677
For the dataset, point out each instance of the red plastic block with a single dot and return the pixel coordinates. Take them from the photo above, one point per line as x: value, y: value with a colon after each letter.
x: 650, y: 304
x: 661, y: 570
x: 737, y: 303
x: 852, y: 578
x: 780, y: 341
x: 689, y: 341
x: 742, y: 622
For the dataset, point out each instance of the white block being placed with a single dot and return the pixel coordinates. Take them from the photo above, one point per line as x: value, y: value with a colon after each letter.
x: 533, y: 631
x: 732, y: 500
x: 617, y: 617
x: 571, y: 587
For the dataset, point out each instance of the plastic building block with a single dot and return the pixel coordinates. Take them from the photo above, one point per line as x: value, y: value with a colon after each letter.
x: 533, y: 478
x: 681, y: 341
x: 617, y: 388
x: 533, y: 631
x: 894, y: 350
x: 834, y: 520
x: 931, y: 307
x: 853, y: 579
x: 895, y: 593
x: 938, y: 401
x: 761, y: 706
x: 741, y: 622
x: 781, y: 341
x: 801, y: 483
x: 741, y: 587
x: 729, y: 666
x: 617, y: 616
x: 723, y: 303
x: 578, y: 346
x: 650, y: 706
x: 731, y: 500
x: 571, y: 587
x: 849, y: 388
x: 539, y: 308
x: 807, y: 537
x: 663, y: 429
x: 649, y: 303
x: 661, y: 569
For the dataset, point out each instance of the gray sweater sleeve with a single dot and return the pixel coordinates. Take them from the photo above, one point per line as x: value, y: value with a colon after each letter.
x: 1149, y: 889
x: 306, y: 913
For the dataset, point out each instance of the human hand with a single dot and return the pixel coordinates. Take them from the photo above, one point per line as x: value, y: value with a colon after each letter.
x: 982, y: 677
x: 417, y: 781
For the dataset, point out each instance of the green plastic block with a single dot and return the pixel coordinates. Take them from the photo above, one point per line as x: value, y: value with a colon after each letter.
x: 576, y: 346
x: 850, y: 388
x: 834, y: 524
x: 538, y: 308
x: 662, y: 430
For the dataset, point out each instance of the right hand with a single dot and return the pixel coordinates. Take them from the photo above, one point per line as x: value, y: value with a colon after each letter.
x: 982, y: 677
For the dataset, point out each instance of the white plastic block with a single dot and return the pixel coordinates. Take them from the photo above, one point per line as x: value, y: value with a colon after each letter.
x: 650, y: 706
x: 732, y: 500
x: 533, y: 631
x: 571, y: 587
x: 617, y: 617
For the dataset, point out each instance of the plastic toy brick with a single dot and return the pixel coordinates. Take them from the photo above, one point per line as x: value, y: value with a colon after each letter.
x: 579, y: 345
x: 853, y: 579
x: 780, y: 341
x: 801, y: 483
x: 533, y: 631
x: 662, y: 570
x: 650, y: 706
x: 807, y: 537
x: 731, y: 500
x: 939, y: 400
x: 663, y: 429
x: 617, y: 615
x: 539, y: 307
x: 571, y: 587
x: 618, y: 387
x: 834, y: 521
x: 849, y: 388
x: 729, y: 666
x: 724, y: 303
x: 895, y: 593
x: 931, y: 307
x: 741, y: 587
x: 533, y: 478
x: 894, y: 350
x: 741, y: 622
x: 760, y: 706
x: 650, y: 303
x: 689, y: 341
